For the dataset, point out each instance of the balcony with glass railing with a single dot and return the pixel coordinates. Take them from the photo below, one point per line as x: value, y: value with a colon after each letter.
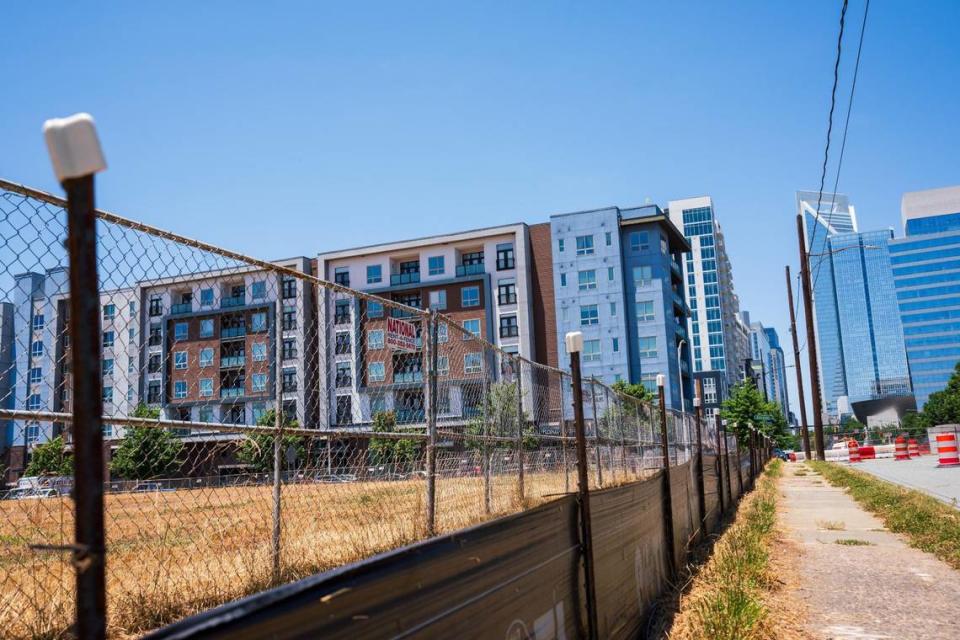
x: 229, y: 362
x: 232, y: 301
x: 464, y: 270
x: 228, y: 333
x: 412, y: 277
x: 180, y: 309
x: 410, y: 415
x: 408, y: 376
x: 231, y: 392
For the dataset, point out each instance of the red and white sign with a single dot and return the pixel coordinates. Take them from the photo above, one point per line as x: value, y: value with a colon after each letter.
x: 401, y: 335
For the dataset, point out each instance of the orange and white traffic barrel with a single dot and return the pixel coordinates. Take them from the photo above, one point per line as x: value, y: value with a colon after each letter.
x: 854, y: 450
x: 900, y: 449
x: 913, y: 449
x: 947, y: 447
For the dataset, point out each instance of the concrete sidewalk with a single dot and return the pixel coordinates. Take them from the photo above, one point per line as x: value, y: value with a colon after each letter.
x: 877, y: 588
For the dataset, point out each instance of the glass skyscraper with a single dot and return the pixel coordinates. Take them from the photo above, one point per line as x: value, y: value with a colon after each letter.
x: 859, y: 334
x: 926, y: 272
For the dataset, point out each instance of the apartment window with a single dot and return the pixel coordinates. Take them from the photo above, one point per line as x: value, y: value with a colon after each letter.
x: 343, y: 377
x: 36, y: 375
x: 471, y: 258
x: 649, y: 380
x: 647, y: 346
x: 563, y: 279
x: 108, y: 395
x: 205, y: 414
x: 376, y: 372
x: 374, y: 273
x: 645, y: 312
x: 472, y: 327
x: 505, y: 259
x: 108, y: 338
x: 206, y: 388
x: 36, y: 349
x: 154, y: 363
x: 153, y: 392
x: 507, y: 291
x: 156, y: 305
x: 289, y: 380
x: 258, y: 321
x: 181, y: 331
x: 639, y: 241
x: 438, y: 299
x: 470, y: 297
x: 616, y: 345
x: 374, y: 309
x: 342, y: 345
x: 289, y: 349
x: 589, y: 314
x: 613, y: 308
x: 642, y: 275
x: 663, y: 246
x: 129, y: 394
x: 131, y: 364
x: 131, y: 333
x: 258, y: 351
x: 443, y: 365
x: 109, y: 311
x: 289, y: 318
x: 258, y: 382
x: 206, y: 297
x: 509, y: 327
x: 472, y: 363
x: 435, y: 266
x: 206, y: 356
x: 344, y: 410
x: 442, y: 333
x: 289, y: 288
x: 258, y: 290
x: 375, y: 339
x: 341, y: 275
x: 37, y: 321
x: 378, y: 404
x: 443, y: 401
x: 180, y: 389
x: 560, y: 245
x: 610, y: 274
x: 584, y: 245
x: 587, y: 279
x: 341, y: 313
x: 179, y: 359
x: 591, y: 350
x: 33, y: 402
x: 206, y: 328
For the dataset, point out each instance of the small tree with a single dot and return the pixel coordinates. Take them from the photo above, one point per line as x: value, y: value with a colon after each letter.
x: 393, y: 452
x: 499, y: 418
x: 638, y: 391
x: 147, y: 452
x: 50, y: 459
x: 746, y: 407
x: 257, y: 449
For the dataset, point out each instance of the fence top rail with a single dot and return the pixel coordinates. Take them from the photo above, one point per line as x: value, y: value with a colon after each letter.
x: 133, y: 225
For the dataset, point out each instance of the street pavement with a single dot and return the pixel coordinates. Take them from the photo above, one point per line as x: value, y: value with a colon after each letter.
x: 918, y: 473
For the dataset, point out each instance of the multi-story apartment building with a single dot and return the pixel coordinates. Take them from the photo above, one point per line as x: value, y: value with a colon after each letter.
x: 617, y: 278
x: 926, y: 273
x: 43, y: 363
x: 760, y: 355
x: 480, y: 279
x: 778, y: 372
x: 719, y: 338
x: 214, y: 343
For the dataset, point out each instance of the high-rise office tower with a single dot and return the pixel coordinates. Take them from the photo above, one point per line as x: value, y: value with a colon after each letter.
x: 719, y: 338
x: 859, y: 335
x: 778, y: 371
x: 926, y: 272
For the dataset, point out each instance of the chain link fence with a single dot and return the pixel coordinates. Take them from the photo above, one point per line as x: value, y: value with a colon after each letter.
x: 262, y: 424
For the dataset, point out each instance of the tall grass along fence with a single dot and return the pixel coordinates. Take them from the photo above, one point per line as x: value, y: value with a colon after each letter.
x: 260, y: 425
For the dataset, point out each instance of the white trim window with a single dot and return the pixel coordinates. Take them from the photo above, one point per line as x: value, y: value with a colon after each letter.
x: 472, y: 363
x: 375, y: 339
x: 206, y: 389
x: 591, y: 350
x: 376, y: 372
x: 180, y: 360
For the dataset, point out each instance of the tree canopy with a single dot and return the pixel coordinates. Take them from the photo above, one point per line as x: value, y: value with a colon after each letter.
x: 395, y: 452
x: 257, y: 449
x: 942, y: 407
x: 50, y: 459
x: 747, y: 407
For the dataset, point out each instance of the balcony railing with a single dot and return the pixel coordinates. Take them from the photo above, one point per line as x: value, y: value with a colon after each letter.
x: 402, y: 313
x: 232, y: 361
x: 469, y: 270
x: 232, y: 301
x: 410, y: 415
x: 231, y: 392
x: 471, y: 412
x: 408, y: 376
x: 232, y: 332
x: 675, y: 268
x: 404, y: 278
x: 183, y: 307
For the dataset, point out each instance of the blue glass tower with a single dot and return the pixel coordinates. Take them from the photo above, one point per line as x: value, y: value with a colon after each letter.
x: 926, y: 272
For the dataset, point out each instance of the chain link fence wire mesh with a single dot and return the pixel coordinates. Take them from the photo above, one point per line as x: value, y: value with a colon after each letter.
x: 262, y: 424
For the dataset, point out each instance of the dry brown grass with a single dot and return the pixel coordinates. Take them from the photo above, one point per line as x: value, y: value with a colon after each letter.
x: 171, y: 554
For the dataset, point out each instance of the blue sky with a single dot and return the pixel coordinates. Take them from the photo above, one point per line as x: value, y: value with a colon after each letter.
x: 314, y: 127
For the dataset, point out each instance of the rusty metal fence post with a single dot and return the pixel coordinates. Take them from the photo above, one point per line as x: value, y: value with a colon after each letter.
x: 430, y: 406
x: 721, y: 462
x: 667, y: 497
x: 89, y: 550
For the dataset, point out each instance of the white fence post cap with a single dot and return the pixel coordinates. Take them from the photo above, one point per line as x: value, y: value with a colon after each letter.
x: 574, y: 341
x: 73, y: 146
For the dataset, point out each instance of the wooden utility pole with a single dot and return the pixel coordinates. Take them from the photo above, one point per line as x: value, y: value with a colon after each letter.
x: 796, y: 365
x: 811, y: 341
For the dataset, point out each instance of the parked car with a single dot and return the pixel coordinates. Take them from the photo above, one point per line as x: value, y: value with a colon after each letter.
x: 147, y: 487
x: 37, y: 494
